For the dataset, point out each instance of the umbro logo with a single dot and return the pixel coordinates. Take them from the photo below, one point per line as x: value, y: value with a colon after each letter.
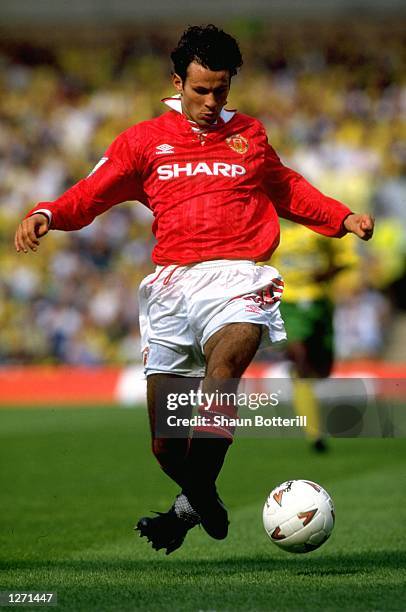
x: 164, y: 149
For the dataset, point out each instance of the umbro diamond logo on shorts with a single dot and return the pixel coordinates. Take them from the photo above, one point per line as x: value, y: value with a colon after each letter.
x: 164, y: 148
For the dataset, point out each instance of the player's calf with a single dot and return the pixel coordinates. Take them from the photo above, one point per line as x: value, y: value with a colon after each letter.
x: 171, y: 455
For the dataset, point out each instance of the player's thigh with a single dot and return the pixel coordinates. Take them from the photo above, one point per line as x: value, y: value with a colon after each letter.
x: 230, y: 350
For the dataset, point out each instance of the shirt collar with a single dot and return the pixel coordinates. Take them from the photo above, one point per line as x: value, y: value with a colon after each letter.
x: 175, y: 103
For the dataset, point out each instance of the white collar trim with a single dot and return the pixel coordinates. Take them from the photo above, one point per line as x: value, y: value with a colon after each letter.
x: 174, y: 102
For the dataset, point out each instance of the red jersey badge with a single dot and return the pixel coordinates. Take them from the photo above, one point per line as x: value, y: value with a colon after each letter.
x: 238, y: 143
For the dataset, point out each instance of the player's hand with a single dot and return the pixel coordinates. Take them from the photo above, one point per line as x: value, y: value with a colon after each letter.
x: 362, y: 225
x: 30, y: 231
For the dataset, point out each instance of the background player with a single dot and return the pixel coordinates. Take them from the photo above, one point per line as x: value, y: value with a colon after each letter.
x: 309, y: 262
x: 215, y: 188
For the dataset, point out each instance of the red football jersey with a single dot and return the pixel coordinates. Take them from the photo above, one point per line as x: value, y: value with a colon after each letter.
x: 214, y: 194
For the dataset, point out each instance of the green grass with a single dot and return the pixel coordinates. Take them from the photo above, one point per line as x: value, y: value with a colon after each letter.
x: 73, y: 482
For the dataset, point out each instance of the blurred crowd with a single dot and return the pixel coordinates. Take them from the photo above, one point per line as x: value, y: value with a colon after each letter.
x: 333, y: 100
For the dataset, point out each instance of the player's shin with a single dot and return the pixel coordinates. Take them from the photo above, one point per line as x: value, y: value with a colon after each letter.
x: 209, y: 445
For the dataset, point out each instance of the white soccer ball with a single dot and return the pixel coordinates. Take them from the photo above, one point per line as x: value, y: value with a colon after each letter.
x: 299, y: 516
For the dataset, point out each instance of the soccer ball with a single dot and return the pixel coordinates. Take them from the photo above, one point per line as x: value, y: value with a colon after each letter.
x: 299, y: 516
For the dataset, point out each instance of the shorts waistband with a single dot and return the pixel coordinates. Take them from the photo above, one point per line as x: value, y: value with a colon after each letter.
x: 214, y: 263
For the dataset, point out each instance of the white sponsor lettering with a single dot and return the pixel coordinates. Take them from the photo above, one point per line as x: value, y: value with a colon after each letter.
x: 202, y: 168
x: 177, y: 169
x: 189, y: 169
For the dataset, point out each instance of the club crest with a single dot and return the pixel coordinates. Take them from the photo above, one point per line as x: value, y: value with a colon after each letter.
x: 238, y: 143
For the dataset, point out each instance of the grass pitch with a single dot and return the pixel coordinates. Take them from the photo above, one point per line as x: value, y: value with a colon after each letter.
x: 74, y: 482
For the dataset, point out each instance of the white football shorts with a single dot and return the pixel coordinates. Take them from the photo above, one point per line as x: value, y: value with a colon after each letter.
x: 181, y: 307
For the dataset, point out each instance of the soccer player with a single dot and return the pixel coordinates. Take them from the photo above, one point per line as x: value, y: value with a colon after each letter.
x: 215, y: 187
x: 308, y: 263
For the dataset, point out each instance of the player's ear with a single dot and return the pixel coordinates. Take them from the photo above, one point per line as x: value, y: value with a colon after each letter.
x: 177, y: 82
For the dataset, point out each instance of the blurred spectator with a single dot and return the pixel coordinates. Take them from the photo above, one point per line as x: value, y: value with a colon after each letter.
x: 360, y: 323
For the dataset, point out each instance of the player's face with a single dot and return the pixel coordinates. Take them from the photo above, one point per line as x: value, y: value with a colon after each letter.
x: 204, y: 93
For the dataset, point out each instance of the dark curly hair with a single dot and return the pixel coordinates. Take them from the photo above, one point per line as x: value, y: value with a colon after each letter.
x: 207, y: 45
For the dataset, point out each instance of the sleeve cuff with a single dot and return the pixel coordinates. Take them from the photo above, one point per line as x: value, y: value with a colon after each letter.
x: 45, y: 212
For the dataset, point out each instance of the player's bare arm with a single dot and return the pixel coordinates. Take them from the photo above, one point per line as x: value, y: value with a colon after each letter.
x: 30, y: 231
x: 362, y: 225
